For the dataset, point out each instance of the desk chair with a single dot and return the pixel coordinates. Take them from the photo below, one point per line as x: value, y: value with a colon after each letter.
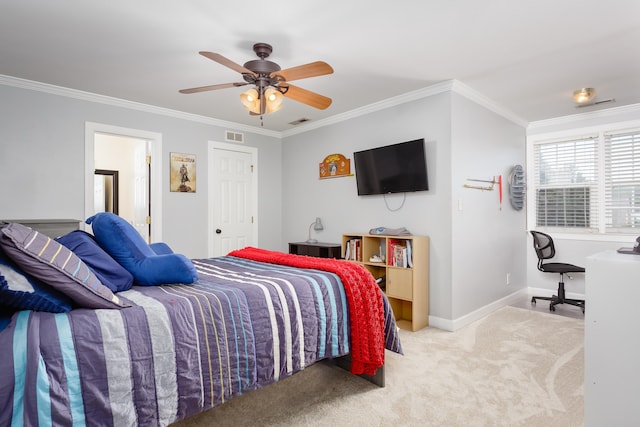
x: 543, y: 244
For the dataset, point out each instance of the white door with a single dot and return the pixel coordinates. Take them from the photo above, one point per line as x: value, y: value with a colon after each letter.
x: 232, y: 198
x: 142, y: 188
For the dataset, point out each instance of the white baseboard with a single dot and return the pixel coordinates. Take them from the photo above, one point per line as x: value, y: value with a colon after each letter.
x: 455, y: 324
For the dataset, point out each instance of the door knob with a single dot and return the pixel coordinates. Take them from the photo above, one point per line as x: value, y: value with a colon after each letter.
x: 218, y: 231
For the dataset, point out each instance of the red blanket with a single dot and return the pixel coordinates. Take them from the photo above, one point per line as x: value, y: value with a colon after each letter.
x: 366, y: 310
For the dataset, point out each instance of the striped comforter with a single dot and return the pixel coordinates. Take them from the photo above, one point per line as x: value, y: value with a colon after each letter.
x: 180, y: 350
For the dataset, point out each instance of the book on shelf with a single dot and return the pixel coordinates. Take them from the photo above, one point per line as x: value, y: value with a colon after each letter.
x: 399, y: 253
x: 353, y: 250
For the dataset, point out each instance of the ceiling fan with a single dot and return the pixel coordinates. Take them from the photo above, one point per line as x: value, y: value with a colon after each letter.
x: 270, y: 82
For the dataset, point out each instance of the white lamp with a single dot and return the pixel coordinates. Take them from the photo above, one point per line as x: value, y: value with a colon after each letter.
x: 316, y: 225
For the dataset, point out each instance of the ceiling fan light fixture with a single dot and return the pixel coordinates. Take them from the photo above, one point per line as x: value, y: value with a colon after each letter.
x: 273, y: 95
x: 250, y: 100
x: 585, y: 94
x: 274, y: 99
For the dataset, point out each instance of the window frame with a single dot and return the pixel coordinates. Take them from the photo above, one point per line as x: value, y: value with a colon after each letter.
x: 602, y: 232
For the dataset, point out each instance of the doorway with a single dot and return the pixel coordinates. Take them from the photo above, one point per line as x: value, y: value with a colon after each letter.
x: 136, y: 155
x: 233, y: 198
x: 128, y: 157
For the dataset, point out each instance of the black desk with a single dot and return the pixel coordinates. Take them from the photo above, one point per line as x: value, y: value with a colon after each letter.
x: 320, y: 249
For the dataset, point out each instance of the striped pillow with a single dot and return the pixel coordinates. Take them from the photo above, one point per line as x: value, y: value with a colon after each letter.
x: 21, y: 292
x: 43, y: 258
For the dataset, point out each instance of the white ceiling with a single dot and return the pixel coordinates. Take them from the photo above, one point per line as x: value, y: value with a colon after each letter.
x: 526, y: 56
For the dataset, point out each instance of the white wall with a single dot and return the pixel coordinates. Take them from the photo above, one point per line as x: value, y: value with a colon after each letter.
x: 336, y: 202
x: 42, y: 163
x: 463, y: 275
x: 488, y: 241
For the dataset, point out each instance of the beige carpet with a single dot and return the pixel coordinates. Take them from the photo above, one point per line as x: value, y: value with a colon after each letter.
x: 515, y: 367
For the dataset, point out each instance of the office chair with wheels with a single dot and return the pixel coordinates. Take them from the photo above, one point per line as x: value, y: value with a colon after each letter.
x: 543, y: 244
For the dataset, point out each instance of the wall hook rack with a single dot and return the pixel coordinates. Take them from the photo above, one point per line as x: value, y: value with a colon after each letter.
x: 493, y: 182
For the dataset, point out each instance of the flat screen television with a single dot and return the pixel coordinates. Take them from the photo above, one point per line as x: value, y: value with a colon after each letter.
x: 396, y: 168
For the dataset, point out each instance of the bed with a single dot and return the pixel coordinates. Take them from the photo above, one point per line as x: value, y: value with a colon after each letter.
x: 169, y: 351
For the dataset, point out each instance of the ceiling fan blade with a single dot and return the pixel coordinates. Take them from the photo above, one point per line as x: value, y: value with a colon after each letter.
x: 212, y: 87
x: 307, y: 97
x: 312, y: 69
x: 226, y: 62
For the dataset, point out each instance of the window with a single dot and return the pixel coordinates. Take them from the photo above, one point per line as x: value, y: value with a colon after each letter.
x: 622, y: 181
x: 588, y: 184
x: 566, y: 183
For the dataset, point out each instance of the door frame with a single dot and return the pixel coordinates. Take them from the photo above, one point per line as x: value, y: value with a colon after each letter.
x: 155, y: 141
x: 253, y: 151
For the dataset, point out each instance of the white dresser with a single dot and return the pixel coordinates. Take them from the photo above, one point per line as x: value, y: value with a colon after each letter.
x: 612, y: 340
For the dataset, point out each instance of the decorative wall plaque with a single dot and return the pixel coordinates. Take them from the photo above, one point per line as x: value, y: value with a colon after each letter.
x: 334, y: 166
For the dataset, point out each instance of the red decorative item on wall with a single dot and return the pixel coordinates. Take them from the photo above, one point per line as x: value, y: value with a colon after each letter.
x: 500, y: 189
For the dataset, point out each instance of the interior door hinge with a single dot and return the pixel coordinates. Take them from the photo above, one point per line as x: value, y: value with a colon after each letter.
x: 251, y: 219
x: 148, y: 220
x: 251, y: 168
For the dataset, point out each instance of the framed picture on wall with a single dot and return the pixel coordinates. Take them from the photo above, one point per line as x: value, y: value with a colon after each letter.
x: 182, y: 173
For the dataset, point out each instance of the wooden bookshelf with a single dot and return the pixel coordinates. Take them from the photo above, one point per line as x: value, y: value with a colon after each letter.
x: 406, y: 284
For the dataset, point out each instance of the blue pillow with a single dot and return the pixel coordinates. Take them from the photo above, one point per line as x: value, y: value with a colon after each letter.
x: 123, y: 242
x: 111, y: 274
x: 160, y: 248
x: 21, y: 292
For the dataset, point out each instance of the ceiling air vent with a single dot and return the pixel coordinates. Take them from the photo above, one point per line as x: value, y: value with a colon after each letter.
x: 234, y: 136
x: 299, y: 121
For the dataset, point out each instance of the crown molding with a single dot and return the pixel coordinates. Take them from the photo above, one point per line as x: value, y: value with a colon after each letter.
x: 564, y: 120
x: 475, y: 96
x: 434, y: 89
x: 123, y: 103
x: 437, y: 88
x: 376, y: 106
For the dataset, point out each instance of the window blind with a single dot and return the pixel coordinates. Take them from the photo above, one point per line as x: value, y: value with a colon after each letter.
x: 622, y: 181
x: 565, y: 181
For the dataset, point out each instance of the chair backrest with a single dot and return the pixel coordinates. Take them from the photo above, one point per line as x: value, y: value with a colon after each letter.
x: 543, y: 244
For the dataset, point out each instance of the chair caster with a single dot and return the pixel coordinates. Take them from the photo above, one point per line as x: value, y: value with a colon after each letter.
x: 552, y: 307
x: 533, y: 301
